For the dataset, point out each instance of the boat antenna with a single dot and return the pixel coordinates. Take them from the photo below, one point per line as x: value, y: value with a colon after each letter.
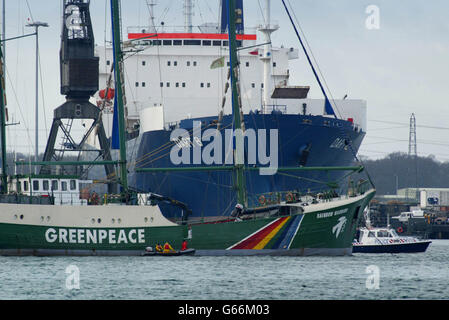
x: 118, y: 72
x: 188, y: 16
x: 4, y: 188
x: 236, y: 107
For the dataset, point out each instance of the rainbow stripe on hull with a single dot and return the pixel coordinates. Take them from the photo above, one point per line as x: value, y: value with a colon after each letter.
x: 278, y: 234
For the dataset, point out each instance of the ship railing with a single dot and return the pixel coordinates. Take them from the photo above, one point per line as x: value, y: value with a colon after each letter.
x: 292, y: 197
x: 276, y: 108
x: 200, y: 29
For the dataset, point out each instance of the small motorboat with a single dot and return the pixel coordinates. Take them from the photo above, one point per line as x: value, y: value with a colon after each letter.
x: 386, y: 240
x: 186, y: 252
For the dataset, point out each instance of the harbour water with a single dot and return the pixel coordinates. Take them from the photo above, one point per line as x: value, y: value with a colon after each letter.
x: 361, y: 276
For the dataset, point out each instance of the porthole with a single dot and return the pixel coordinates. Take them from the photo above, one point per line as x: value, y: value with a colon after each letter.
x: 99, y: 220
x: 15, y: 217
x: 113, y: 221
x: 48, y: 218
x: 151, y: 219
x: 42, y: 219
x: 93, y: 220
x: 21, y: 217
x: 119, y: 220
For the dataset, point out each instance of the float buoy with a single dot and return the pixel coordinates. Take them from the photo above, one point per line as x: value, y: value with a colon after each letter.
x: 400, y: 230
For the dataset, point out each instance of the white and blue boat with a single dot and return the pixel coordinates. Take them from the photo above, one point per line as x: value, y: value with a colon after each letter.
x: 386, y: 240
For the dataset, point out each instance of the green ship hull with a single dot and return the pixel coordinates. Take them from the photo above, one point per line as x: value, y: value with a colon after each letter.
x: 322, y: 229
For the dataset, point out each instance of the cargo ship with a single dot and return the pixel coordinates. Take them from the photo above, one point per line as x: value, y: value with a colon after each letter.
x: 177, y: 78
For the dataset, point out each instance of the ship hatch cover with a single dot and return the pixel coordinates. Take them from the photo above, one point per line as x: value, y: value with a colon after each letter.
x: 290, y: 92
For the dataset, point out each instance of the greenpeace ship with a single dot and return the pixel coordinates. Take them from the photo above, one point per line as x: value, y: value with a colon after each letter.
x: 177, y: 78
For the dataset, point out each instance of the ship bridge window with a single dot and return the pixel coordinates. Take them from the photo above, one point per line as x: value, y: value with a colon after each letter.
x: 207, y: 43
x: 167, y: 42
x: 54, y: 185
x: 371, y: 234
x: 177, y: 42
x: 216, y: 43
x: 35, y: 185
x: 72, y: 184
x: 192, y: 42
x: 45, y: 185
x: 157, y: 42
x: 64, y: 185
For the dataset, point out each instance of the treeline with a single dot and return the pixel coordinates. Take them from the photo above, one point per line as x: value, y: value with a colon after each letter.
x: 398, y: 170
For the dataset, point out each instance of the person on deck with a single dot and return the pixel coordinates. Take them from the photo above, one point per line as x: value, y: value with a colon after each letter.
x: 159, y: 248
x: 184, y: 246
x: 168, y: 248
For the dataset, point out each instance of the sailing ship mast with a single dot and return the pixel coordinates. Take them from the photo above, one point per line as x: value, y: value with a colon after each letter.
x: 234, y: 65
x: 4, y: 188
x: 118, y: 67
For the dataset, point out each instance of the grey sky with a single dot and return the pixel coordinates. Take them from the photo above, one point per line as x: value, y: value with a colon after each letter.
x: 399, y: 69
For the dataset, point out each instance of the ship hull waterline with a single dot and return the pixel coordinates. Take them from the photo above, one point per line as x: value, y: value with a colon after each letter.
x: 327, y: 230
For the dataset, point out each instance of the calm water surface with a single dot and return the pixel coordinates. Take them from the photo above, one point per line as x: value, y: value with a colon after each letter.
x: 401, y: 276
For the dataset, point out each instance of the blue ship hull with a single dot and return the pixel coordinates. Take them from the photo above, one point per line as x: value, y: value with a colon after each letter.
x: 310, y: 141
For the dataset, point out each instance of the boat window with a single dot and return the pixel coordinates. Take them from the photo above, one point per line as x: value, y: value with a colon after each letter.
x: 169, y: 63
x: 72, y: 184
x: 383, y: 234
x: 54, y: 185
x: 175, y: 63
x: 239, y: 43
x: 225, y: 43
x: 144, y: 63
x: 183, y: 84
x: 167, y: 42
x: 188, y: 63
x: 207, y: 42
x: 195, y: 63
x: 64, y: 185
x: 371, y: 234
x: 157, y: 42
x: 35, y: 185
x: 45, y: 185
x: 177, y: 84
x: 216, y: 43
x: 143, y: 84
x: 177, y: 42
x: 25, y: 186
x: 192, y: 42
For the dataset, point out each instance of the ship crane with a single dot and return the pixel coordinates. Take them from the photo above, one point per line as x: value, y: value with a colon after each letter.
x: 79, y: 70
